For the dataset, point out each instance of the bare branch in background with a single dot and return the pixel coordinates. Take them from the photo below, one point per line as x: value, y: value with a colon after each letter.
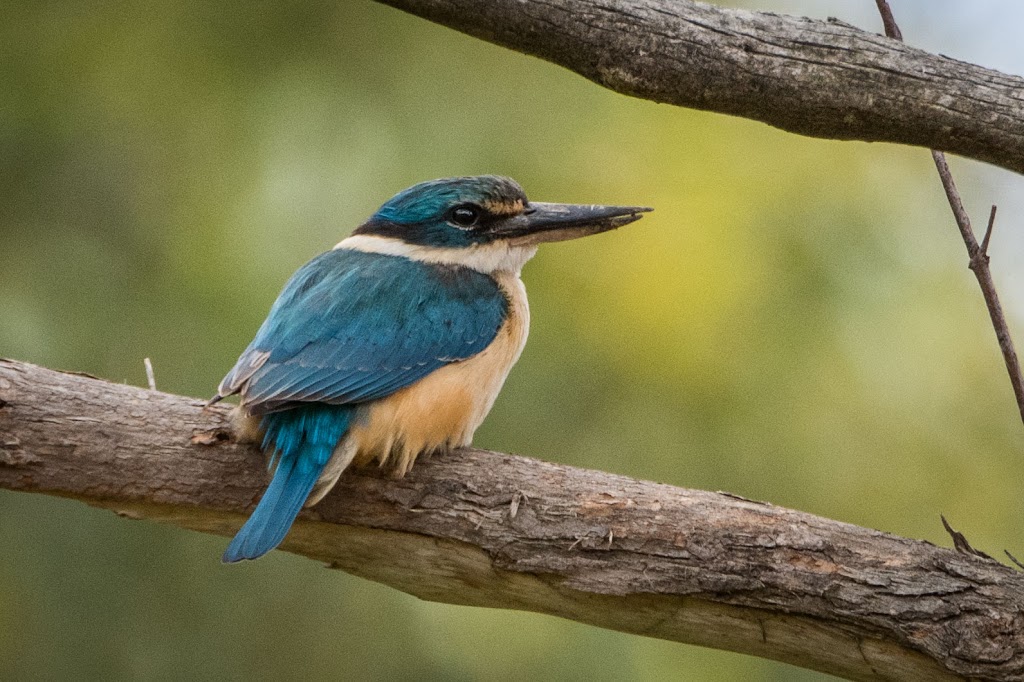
x: 978, y: 259
x: 817, y: 78
x: 892, y: 30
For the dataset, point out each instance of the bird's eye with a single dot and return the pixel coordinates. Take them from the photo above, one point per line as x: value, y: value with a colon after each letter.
x: 465, y: 216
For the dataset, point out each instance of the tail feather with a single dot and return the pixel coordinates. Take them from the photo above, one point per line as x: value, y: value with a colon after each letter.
x: 303, y: 440
x: 274, y: 515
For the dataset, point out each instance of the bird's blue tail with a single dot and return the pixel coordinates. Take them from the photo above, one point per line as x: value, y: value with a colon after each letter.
x: 302, y: 440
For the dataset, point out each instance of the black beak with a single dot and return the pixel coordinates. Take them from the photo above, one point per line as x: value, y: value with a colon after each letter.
x: 542, y: 222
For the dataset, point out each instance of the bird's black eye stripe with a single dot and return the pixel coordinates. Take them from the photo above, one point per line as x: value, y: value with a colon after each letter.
x: 464, y: 215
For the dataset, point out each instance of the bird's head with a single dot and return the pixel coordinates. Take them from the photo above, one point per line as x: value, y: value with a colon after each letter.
x: 459, y: 213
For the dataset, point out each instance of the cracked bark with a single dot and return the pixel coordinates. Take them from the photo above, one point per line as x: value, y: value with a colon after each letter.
x: 489, y: 529
x: 822, y: 79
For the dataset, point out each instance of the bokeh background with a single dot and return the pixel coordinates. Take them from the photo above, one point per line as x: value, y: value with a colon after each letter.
x: 795, y: 323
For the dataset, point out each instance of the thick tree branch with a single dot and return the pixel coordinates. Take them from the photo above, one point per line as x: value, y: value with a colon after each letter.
x: 823, y: 79
x: 490, y: 529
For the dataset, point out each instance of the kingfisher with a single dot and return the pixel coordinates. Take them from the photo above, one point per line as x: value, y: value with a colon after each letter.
x: 394, y: 343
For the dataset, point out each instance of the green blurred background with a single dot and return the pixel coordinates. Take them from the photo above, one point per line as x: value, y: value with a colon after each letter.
x: 795, y: 322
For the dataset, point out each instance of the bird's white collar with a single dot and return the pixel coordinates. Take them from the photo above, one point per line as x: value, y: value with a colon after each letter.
x: 490, y: 258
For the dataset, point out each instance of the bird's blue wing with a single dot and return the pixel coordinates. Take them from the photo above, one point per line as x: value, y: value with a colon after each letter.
x: 352, y: 326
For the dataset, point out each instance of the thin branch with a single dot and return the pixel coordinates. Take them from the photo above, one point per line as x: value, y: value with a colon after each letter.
x: 978, y: 259
x: 960, y: 541
x: 956, y: 204
x: 988, y: 230
x: 892, y: 30
x: 488, y: 529
x: 818, y: 78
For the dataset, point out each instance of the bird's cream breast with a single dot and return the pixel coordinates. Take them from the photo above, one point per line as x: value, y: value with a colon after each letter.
x: 445, y: 408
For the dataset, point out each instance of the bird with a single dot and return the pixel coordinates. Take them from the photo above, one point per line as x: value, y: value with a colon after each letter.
x: 394, y: 343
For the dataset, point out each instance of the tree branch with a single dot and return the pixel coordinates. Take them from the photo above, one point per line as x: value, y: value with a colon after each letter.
x: 488, y: 529
x: 823, y: 79
x: 978, y: 260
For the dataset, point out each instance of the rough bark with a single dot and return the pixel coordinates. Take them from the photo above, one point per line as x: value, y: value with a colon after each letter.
x: 489, y: 529
x: 823, y: 79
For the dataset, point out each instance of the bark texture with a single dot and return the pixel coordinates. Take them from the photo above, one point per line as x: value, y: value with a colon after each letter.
x: 489, y: 529
x: 823, y: 79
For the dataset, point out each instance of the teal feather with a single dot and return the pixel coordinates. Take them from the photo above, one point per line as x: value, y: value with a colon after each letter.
x: 301, y: 441
x: 351, y: 327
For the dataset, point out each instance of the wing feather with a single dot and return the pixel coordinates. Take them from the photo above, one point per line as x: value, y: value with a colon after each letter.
x: 350, y: 327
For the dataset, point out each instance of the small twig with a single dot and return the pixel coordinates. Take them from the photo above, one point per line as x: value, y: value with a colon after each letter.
x: 889, y: 21
x: 956, y: 204
x: 149, y: 374
x: 988, y: 231
x: 960, y: 542
x: 977, y: 255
